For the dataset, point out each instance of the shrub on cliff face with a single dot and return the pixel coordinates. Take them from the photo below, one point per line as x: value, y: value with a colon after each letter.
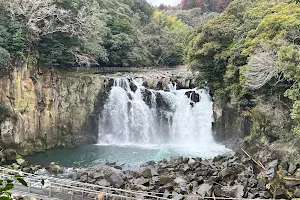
x: 4, y: 59
x: 6, y: 112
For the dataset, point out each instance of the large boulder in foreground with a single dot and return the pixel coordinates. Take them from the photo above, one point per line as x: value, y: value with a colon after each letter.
x: 114, y: 176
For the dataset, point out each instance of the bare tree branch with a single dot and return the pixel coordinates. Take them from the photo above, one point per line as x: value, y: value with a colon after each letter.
x: 294, y: 34
x: 261, y: 68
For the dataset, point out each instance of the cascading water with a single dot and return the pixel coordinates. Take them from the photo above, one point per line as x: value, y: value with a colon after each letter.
x: 134, y: 115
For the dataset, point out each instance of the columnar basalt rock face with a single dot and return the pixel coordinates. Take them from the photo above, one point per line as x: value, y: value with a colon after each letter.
x: 50, y: 109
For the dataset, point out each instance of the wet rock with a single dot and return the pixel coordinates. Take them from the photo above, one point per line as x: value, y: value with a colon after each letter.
x: 21, y: 162
x: 118, y: 167
x: 194, y: 96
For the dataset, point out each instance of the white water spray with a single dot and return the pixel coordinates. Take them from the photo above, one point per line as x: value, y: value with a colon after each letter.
x: 134, y: 115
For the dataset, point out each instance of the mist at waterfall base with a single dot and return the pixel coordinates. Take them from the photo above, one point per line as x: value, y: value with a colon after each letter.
x: 139, y: 125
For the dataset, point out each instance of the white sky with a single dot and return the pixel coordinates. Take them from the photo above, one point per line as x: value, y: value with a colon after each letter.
x: 166, y: 2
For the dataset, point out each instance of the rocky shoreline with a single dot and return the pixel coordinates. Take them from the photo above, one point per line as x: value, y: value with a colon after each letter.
x: 239, y: 175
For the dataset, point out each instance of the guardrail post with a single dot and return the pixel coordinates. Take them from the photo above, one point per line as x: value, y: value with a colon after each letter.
x: 72, y: 195
x: 29, y: 187
x: 50, y: 190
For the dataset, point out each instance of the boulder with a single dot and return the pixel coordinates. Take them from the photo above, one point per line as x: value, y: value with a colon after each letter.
x: 103, y: 183
x: 163, y: 180
x: 236, y: 191
x: 204, y: 190
x: 178, y: 197
x: 297, y: 193
x: 226, y: 172
x: 292, y: 168
x: 140, y: 187
x: 91, y: 180
x: 146, y: 173
x: 154, y: 172
x: 15, y: 166
x: 21, y: 162
x: 141, y: 181
x: 17, y: 196
x: 55, y: 168
x: 166, y: 194
x: 261, y: 185
x: 297, y: 173
x: 84, y: 178
x: 191, y: 162
x: 10, y: 154
x: 180, y: 180
x: 96, y: 175
x: 182, y: 184
x: 114, y: 176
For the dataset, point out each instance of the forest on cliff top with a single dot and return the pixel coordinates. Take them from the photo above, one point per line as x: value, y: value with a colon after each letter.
x: 96, y: 32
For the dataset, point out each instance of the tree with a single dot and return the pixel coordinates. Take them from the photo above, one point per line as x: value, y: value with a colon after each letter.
x: 4, y: 59
x: 261, y: 68
x: 44, y: 17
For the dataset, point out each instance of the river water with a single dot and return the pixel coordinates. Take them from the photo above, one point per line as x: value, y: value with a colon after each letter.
x: 138, y: 125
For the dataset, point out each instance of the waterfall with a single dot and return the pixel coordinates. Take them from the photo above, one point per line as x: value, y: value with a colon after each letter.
x: 135, y: 115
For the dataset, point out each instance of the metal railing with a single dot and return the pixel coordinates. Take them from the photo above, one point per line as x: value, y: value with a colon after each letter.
x: 56, y: 188
x: 70, y: 189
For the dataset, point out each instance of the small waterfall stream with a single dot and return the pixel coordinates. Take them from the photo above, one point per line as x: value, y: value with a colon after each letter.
x: 134, y: 115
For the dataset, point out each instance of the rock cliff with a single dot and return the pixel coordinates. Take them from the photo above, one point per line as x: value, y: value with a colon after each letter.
x: 42, y: 110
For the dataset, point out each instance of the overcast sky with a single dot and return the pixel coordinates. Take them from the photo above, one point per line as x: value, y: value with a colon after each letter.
x: 166, y: 2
